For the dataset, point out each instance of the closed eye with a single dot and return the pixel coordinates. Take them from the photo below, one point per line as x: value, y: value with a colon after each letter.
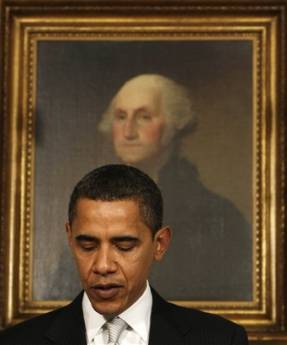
x: 86, y: 243
x: 125, y: 247
x: 126, y: 244
x: 87, y: 247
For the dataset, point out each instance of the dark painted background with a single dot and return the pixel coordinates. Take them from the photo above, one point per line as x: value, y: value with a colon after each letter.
x: 75, y: 82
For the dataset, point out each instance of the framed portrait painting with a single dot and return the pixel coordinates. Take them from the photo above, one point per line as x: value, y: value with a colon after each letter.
x: 80, y: 86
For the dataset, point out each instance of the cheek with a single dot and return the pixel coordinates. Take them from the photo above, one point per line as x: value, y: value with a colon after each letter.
x: 154, y: 133
x: 139, y: 265
x: 116, y: 131
x: 84, y: 264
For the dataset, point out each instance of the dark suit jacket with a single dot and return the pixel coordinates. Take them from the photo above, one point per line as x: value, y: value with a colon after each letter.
x: 170, y: 325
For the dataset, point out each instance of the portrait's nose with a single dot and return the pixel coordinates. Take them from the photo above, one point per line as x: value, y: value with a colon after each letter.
x: 104, y: 262
x: 130, y: 129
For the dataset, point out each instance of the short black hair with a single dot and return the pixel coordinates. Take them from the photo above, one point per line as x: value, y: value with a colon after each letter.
x: 121, y: 182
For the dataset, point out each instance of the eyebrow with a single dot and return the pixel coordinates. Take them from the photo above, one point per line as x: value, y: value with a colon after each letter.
x: 124, y: 238
x: 87, y: 238
x: 143, y: 107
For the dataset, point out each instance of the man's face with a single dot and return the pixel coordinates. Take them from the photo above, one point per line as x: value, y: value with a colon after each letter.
x: 114, y: 251
x: 138, y: 123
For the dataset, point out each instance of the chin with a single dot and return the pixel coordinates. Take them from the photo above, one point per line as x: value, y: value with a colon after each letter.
x: 106, y: 311
x: 132, y: 160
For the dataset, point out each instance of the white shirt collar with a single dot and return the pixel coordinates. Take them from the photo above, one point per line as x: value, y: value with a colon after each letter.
x: 93, y: 320
x: 137, y: 316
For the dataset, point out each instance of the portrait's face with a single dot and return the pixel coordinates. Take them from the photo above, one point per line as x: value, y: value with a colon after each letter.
x: 114, y: 251
x: 138, y: 124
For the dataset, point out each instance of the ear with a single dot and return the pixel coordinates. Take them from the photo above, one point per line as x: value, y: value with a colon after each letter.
x: 161, y: 242
x: 69, y: 232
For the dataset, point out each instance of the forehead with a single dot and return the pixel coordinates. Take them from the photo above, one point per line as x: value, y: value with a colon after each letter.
x: 134, y: 95
x: 114, y: 215
x: 89, y: 209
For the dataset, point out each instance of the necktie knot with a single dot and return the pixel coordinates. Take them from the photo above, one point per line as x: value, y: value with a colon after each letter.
x: 115, y: 327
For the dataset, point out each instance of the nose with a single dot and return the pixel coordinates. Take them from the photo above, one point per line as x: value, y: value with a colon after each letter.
x: 104, y: 262
x: 130, y: 129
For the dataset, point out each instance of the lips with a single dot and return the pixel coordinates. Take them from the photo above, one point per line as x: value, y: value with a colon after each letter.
x: 105, y: 291
x: 131, y: 146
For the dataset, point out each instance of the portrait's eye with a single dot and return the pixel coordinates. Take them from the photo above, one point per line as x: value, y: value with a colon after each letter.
x: 120, y: 115
x: 144, y: 116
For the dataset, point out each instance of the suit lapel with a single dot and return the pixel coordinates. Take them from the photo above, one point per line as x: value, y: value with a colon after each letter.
x: 165, y: 328
x: 68, y: 327
x: 162, y: 333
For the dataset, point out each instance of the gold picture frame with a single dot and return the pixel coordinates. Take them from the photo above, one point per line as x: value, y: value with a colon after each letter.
x: 28, y: 23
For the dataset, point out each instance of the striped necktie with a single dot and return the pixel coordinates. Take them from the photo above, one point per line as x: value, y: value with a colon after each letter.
x: 115, y: 327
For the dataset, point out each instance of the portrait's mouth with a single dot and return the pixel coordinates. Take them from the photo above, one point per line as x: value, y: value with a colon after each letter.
x: 131, y: 145
x: 106, y: 291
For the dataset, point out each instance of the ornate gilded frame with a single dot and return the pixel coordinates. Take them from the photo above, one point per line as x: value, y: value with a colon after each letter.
x: 26, y: 22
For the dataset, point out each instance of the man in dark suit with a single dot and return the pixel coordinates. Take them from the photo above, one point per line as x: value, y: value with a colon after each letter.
x: 115, y: 233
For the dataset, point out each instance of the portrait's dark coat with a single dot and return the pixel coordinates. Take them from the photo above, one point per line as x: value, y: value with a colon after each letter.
x: 210, y: 257
x: 170, y: 325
